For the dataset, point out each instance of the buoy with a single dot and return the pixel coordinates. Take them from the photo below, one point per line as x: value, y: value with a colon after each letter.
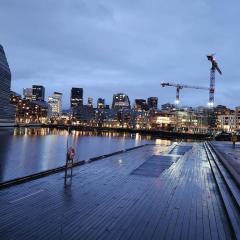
x: 71, y: 153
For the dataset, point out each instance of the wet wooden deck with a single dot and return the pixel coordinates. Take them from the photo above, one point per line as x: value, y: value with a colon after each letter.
x: 107, y: 201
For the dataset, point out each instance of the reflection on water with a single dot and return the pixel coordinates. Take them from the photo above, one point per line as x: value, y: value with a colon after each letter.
x: 47, y: 131
x: 25, y: 151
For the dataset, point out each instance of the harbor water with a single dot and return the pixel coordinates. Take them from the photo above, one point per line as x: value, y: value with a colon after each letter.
x: 25, y: 151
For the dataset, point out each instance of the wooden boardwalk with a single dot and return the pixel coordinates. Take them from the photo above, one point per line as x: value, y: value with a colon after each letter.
x: 106, y: 201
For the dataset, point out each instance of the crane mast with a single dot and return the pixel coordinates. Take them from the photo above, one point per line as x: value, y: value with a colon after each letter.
x: 213, y: 69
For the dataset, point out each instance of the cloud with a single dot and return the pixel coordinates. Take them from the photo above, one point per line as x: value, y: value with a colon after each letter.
x: 122, y: 46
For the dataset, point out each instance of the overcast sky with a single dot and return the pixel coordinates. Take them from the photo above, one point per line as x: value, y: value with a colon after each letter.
x: 126, y: 46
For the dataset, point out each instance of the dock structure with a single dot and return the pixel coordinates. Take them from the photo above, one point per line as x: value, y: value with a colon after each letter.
x: 153, y: 192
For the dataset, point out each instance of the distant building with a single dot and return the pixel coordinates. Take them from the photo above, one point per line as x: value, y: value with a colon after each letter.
x: 55, y: 104
x: 38, y: 93
x: 76, y: 97
x: 106, y: 117
x: 27, y: 93
x: 66, y: 112
x: 205, y: 116
x: 162, y: 121
x: 168, y: 107
x: 120, y: 101
x: 110, y: 114
x: 7, y: 111
x: 214, y: 116
x: 31, y: 111
x: 201, y: 109
x: 222, y: 110
x: 14, y: 98
x: 83, y: 113
x: 237, y: 116
x: 139, y: 119
x: 222, y: 118
x: 226, y: 122
x: 100, y: 103
x: 186, y: 120
x: 141, y: 104
x: 152, y: 102
x: 90, y: 102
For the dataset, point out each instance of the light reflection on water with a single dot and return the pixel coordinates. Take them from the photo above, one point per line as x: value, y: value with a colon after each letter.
x: 25, y: 151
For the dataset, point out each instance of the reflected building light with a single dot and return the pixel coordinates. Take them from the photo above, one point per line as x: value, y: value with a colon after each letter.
x: 138, y: 137
x: 73, y: 132
x: 162, y: 142
x: 137, y: 126
x: 65, y: 133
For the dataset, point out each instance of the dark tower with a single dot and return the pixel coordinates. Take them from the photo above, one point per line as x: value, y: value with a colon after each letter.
x: 120, y: 101
x: 76, y: 97
x: 152, y: 102
x: 101, y: 103
x: 38, y: 93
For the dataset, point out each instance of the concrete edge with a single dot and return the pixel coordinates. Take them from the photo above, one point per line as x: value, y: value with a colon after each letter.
x: 230, y: 169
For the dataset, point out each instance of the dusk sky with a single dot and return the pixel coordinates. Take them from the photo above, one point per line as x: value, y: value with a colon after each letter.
x: 114, y: 46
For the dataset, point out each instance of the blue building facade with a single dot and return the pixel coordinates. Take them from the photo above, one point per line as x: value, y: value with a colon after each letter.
x: 7, y: 111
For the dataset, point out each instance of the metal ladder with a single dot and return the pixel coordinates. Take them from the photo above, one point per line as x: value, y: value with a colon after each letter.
x: 68, y: 170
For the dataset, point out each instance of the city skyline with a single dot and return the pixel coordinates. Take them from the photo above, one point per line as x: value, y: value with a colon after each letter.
x: 123, y: 47
x: 95, y: 99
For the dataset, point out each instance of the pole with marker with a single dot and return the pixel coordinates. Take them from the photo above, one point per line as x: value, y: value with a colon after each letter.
x: 66, y: 164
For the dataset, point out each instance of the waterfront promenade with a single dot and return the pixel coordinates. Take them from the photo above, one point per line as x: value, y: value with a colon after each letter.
x: 148, y: 193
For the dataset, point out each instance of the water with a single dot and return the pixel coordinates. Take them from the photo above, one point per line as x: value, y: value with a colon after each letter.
x: 26, y: 151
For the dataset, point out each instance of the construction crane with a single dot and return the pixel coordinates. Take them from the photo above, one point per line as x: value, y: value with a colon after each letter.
x: 179, y: 87
x: 212, y: 78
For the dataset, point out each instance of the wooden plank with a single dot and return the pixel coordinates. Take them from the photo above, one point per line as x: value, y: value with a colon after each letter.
x: 106, y: 202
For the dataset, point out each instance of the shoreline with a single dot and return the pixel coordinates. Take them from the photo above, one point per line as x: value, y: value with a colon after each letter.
x: 156, y: 133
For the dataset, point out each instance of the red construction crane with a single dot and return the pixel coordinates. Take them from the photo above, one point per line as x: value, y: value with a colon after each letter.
x: 181, y: 86
x: 212, y: 78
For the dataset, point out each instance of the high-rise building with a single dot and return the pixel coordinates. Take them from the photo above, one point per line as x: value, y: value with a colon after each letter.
x: 27, y: 93
x: 90, y: 102
x: 7, y: 111
x: 38, y: 93
x: 141, y: 104
x: 101, y: 103
x: 152, y: 102
x: 120, y: 101
x: 76, y: 97
x: 55, y: 104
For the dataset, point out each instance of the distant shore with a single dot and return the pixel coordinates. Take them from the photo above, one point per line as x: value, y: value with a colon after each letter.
x: 157, y: 133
